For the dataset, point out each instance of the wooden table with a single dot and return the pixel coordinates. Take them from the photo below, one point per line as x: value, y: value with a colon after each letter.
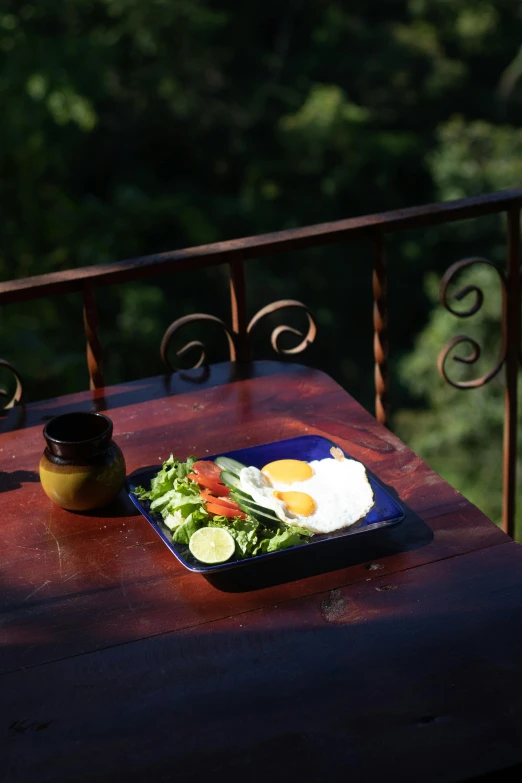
x: 401, y: 658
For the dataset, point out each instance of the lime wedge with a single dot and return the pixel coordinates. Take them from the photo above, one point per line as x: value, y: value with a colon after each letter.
x: 212, y: 545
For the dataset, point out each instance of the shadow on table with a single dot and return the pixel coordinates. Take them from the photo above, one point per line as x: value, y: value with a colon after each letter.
x: 507, y: 775
x: 14, y: 479
x: 302, y: 562
x: 122, y: 506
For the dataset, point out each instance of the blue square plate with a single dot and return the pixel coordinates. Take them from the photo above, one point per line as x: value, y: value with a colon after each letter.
x: 385, y: 512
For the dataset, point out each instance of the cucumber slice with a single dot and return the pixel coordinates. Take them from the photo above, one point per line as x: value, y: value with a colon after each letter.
x: 241, y: 495
x: 230, y: 465
x: 249, y: 501
x: 231, y: 480
x: 255, y: 510
x: 261, y: 516
x: 245, y: 502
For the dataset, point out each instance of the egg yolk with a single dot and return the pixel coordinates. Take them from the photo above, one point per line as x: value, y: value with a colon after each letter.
x: 287, y: 471
x: 297, y: 502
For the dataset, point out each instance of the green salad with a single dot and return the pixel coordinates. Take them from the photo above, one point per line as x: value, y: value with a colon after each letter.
x: 187, y: 496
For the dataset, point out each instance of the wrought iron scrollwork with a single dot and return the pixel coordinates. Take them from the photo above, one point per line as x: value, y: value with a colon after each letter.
x: 17, y: 396
x: 474, y: 355
x: 194, y: 345
x: 235, y: 338
x: 274, y: 307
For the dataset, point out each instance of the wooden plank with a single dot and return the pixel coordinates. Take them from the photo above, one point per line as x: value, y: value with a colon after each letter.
x: 75, y: 582
x: 416, y: 672
x: 254, y: 247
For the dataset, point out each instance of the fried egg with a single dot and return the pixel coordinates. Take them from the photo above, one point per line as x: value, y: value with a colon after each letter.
x: 322, y: 495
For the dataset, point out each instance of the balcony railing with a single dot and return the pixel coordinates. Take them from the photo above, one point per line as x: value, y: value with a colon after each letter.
x: 239, y: 332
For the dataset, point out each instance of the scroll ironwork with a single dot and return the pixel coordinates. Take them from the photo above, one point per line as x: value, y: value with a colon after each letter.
x: 475, y: 353
x: 235, y: 338
x: 282, y: 304
x: 17, y: 396
x: 194, y: 345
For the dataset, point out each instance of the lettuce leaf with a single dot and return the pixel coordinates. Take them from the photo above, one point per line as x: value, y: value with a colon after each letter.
x: 245, y: 532
x: 254, y: 538
x: 171, y: 491
x: 172, y: 472
x: 285, y: 538
x: 195, y: 520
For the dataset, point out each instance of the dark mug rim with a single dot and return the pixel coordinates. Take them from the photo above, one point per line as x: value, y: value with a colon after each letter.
x: 81, y: 447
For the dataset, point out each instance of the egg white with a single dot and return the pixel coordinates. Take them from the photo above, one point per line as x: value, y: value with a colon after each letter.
x: 340, y: 489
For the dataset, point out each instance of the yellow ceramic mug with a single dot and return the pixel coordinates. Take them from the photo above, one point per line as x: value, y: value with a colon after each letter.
x: 81, y: 468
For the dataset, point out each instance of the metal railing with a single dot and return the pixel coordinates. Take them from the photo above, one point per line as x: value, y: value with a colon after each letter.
x: 239, y: 332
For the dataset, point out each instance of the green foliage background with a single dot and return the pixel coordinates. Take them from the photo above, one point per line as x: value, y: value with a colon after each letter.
x: 135, y: 126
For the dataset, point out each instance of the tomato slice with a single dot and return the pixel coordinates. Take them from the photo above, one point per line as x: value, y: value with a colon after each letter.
x: 216, y: 486
x: 206, y: 468
x: 223, y: 511
x: 209, y: 497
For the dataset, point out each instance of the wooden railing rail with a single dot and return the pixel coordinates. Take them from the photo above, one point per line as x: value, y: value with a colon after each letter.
x: 254, y: 247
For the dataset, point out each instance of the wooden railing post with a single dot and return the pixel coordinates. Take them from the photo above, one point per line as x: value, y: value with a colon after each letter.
x: 380, y: 327
x: 238, y: 309
x: 512, y: 331
x: 94, y: 349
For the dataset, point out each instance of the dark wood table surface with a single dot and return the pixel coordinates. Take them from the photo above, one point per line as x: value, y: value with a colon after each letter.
x: 398, y: 657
